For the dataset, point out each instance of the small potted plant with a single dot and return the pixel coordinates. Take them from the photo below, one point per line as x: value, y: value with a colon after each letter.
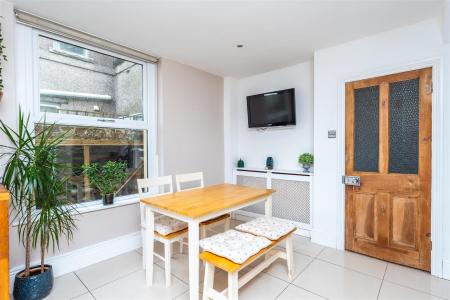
x: 107, y: 178
x: 306, y: 160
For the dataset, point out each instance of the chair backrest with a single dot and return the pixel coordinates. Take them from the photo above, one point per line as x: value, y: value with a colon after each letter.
x: 152, y: 187
x: 192, y: 178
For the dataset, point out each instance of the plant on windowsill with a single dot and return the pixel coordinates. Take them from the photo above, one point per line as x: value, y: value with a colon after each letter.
x: 107, y: 178
x: 306, y: 160
x: 44, y: 215
x: 2, y: 58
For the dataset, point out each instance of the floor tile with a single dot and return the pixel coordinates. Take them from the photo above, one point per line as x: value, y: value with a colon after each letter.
x: 86, y: 296
x: 303, y: 245
x: 393, y: 291
x: 418, y: 280
x: 111, y: 269
x: 133, y: 287
x: 66, y: 287
x: 185, y: 296
x: 180, y: 267
x: 293, y: 293
x: 334, y: 282
x: 357, y: 262
x: 279, y: 267
x: 262, y: 287
x: 334, y: 274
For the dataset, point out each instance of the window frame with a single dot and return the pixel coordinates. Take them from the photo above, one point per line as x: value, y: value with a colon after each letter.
x: 56, y: 47
x: 28, y: 49
x: 66, y: 119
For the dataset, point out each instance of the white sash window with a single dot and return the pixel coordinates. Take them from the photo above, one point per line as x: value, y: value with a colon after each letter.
x: 106, y: 100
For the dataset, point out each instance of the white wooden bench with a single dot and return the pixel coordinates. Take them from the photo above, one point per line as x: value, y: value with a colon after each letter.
x: 234, y: 283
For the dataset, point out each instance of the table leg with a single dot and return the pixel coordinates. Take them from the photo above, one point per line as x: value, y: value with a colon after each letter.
x: 150, y: 240
x: 268, y: 206
x: 268, y: 213
x: 194, y: 266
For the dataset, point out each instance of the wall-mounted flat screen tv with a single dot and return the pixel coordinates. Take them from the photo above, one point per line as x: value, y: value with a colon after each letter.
x: 271, y: 109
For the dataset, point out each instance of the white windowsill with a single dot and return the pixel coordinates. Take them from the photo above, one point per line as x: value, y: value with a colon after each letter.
x: 83, y: 208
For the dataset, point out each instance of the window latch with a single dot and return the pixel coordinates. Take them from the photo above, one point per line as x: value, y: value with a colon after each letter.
x: 106, y: 120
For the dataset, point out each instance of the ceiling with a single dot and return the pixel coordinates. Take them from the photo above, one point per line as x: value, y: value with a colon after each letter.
x: 204, y: 34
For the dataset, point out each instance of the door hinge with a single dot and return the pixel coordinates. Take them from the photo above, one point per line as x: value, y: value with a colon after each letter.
x: 429, y: 88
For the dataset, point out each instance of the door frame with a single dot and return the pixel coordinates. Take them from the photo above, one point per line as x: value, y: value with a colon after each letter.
x: 437, y: 207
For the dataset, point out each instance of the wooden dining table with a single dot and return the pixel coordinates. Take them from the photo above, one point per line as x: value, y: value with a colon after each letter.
x: 195, y: 206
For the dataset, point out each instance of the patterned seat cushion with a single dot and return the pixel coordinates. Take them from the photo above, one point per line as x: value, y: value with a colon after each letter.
x: 165, y: 225
x: 234, y: 245
x: 267, y: 227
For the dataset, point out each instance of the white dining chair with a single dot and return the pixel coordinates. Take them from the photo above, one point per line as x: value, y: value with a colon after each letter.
x: 167, y: 229
x: 190, y: 181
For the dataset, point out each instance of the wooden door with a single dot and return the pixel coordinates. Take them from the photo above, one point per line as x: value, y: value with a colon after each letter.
x: 388, y: 144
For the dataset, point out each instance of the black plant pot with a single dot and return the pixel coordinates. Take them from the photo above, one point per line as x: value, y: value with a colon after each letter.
x: 108, y: 199
x: 37, y: 286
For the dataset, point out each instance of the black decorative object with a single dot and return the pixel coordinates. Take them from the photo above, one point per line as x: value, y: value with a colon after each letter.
x: 240, y: 163
x: 34, y: 287
x: 269, y: 163
x: 108, y: 199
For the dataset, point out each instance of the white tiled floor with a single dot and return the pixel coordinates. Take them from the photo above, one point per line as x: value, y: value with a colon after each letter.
x: 320, y: 273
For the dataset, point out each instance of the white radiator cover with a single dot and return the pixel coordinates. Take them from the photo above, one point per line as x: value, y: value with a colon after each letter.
x: 291, y: 200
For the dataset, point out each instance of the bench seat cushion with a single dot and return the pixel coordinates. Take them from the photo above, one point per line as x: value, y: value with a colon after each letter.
x: 165, y: 225
x: 234, y: 245
x: 270, y: 228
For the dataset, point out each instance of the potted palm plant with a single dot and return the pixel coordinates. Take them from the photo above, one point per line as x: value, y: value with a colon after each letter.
x: 107, y: 178
x: 44, y: 215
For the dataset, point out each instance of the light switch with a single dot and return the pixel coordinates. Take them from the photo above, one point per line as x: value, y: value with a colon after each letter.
x: 331, y: 134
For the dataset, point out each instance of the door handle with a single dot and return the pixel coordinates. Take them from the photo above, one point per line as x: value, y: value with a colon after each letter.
x: 351, y: 180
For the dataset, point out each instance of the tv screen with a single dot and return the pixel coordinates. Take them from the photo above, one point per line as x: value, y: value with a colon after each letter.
x: 271, y: 109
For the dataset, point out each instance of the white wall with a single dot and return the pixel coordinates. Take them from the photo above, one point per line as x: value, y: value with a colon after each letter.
x: 8, y: 106
x: 230, y: 125
x: 191, y: 134
x: 283, y: 144
x: 382, y: 53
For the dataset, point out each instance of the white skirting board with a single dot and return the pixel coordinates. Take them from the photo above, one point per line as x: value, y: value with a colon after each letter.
x: 83, y: 257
